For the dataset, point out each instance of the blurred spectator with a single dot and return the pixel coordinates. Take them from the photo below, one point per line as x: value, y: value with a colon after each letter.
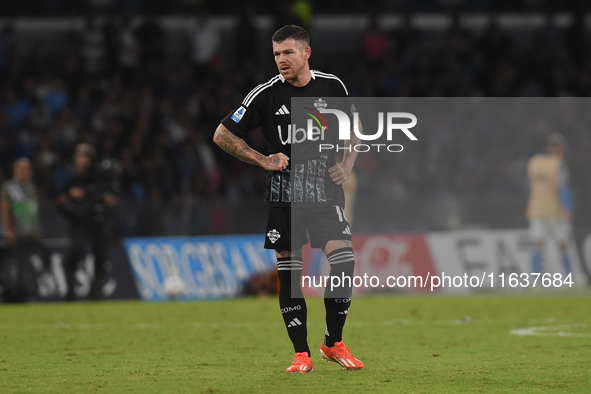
x: 20, y: 219
x: 65, y: 134
x: 111, y: 34
x: 286, y: 15
x: 93, y: 47
x: 72, y: 73
x: 129, y: 50
x: 88, y: 201
x: 56, y: 98
x: 46, y: 159
x: 577, y: 40
x: 7, y: 142
x: 375, y: 42
x: 150, y: 37
x: 3, y: 37
x: 205, y: 39
x: 17, y: 108
x: 7, y: 46
x: 246, y: 41
x: 40, y: 116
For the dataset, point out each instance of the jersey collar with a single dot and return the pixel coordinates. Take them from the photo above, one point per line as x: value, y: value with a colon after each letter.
x: 282, y: 79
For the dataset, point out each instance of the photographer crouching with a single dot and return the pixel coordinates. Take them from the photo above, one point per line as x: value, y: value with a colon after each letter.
x: 89, y: 203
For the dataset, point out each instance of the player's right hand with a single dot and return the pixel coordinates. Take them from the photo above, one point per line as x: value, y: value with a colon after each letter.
x: 276, y: 162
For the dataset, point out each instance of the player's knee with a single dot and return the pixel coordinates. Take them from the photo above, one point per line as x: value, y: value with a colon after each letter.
x: 288, y: 253
x: 335, y: 245
x: 282, y: 253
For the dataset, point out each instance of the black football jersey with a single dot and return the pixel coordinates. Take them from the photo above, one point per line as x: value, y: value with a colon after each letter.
x: 306, y: 182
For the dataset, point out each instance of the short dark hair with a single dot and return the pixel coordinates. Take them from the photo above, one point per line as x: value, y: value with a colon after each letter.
x: 291, y: 31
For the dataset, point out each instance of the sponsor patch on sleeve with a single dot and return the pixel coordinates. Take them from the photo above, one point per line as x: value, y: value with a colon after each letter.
x: 238, y: 114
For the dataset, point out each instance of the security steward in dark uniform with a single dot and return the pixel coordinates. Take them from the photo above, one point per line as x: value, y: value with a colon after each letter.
x: 89, y: 203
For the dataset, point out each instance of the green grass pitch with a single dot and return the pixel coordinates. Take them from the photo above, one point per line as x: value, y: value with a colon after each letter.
x: 407, y: 345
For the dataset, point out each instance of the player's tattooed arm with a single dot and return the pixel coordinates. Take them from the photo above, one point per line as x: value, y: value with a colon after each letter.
x: 238, y: 148
x: 341, y: 171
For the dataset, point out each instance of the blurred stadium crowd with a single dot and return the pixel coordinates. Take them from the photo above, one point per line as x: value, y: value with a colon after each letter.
x: 81, y: 7
x: 116, y: 86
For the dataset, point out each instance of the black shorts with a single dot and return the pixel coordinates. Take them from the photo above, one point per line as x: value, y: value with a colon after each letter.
x: 289, y: 228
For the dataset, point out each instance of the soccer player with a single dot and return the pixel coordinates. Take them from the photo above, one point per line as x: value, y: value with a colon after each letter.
x: 550, y: 205
x: 269, y: 106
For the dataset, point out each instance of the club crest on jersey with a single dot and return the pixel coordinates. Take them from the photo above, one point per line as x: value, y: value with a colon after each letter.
x: 238, y: 114
x: 273, y: 235
x: 320, y: 104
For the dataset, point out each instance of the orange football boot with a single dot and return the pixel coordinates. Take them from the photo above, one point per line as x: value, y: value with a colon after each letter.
x: 302, y: 363
x: 341, y: 354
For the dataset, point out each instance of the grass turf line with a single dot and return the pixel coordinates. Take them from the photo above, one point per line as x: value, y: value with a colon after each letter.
x: 406, y: 344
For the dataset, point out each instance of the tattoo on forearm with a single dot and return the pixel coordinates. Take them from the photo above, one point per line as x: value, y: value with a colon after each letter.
x: 228, y: 142
x: 237, y: 147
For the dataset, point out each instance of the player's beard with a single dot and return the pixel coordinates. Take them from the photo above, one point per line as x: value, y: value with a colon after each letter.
x: 292, y: 74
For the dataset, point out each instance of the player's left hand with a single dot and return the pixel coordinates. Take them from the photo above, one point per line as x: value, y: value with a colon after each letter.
x: 340, y: 173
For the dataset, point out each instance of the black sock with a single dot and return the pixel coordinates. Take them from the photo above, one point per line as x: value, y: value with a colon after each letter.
x: 337, y: 300
x: 292, y: 302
